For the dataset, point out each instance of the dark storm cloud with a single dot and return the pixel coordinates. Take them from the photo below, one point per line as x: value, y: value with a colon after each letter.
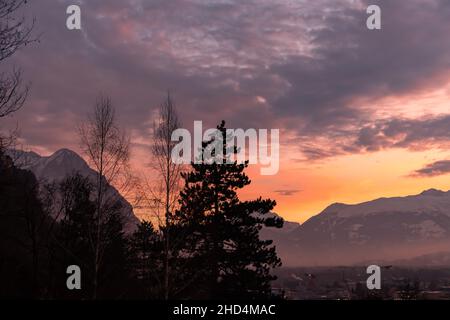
x: 350, y: 62
x: 297, y: 65
x: 406, y: 133
x: 412, y: 134
x: 433, y: 169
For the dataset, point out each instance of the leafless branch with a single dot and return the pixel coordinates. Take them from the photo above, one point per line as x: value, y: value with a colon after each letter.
x: 107, y: 149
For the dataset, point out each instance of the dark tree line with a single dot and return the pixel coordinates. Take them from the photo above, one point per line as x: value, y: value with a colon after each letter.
x: 36, y: 247
x: 205, y: 246
x: 217, y: 252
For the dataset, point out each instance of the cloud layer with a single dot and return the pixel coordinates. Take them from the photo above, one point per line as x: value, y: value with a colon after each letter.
x: 309, y: 67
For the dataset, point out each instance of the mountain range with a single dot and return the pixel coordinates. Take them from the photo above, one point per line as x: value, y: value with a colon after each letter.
x: 405, y: 230
x: 399, y: 229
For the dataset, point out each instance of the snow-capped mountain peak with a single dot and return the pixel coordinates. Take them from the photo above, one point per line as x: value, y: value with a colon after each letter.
x: 385, y: 229
x: 428, y: 201
x: 61, y: 164
x: 54, y: 167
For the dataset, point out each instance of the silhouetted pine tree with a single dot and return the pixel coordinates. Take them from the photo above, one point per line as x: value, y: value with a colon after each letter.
x: 147, y: 248
x: 227, y: 259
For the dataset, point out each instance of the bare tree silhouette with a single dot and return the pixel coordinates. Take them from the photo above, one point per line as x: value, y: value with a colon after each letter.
x: 14, y: 34
x: 107, y: 149
x: 160, y: 195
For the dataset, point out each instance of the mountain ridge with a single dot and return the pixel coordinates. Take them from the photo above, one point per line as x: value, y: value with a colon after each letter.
x: 383, y: 229
x: 62, y: 163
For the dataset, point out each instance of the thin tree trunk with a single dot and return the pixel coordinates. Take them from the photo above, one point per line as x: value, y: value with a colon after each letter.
x: 97, y: 240
x: 167, y: 242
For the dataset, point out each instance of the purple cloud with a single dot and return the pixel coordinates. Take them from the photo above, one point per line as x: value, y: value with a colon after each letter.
x: 258, y: 63
x: 437, y: 168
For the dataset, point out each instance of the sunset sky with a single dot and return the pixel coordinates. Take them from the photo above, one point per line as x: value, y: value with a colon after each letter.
x: 362, y: 113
